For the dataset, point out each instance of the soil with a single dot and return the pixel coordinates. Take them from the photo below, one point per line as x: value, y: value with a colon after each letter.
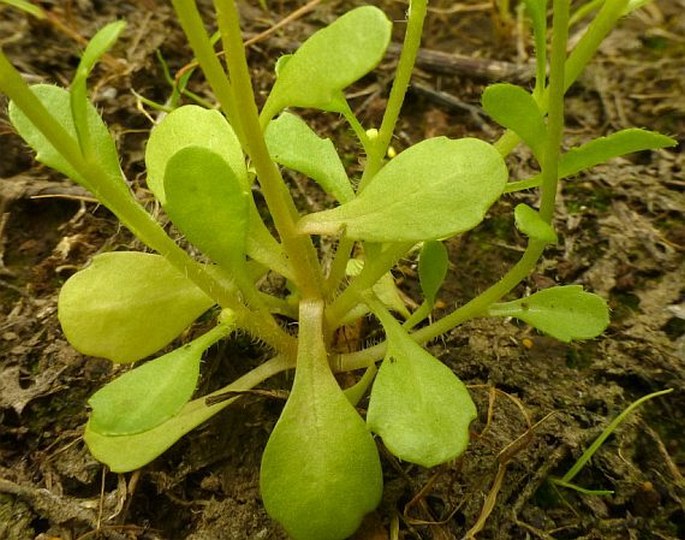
x: 541, y: 402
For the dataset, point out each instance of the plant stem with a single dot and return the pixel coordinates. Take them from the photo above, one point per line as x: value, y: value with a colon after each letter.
x: 194, y: 29
x: 374, y: 269
x: 405, y: 67
x: 555, y: 115
x: 299, y: 248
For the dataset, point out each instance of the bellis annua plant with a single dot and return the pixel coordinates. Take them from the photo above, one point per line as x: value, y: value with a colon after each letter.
x: 321, y: 471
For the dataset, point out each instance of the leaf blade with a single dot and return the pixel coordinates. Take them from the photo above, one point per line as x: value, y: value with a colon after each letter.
x: 208, y: 204
x: 127, y: 305
x: 418, y: 406
x: 147, y: 396
x: 293, y: 144
x: 435, y: 189
x: 330, y: 60
x: 57, y: 101
x: 566, y: 312
x: 514, y: 108
x: 320, y: 470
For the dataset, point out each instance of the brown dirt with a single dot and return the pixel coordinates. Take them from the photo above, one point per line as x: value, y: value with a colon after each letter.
x: 622, y: 236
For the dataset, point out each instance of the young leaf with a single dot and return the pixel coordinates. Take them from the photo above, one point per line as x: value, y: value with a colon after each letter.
x: 418, y: 406
x: 97, y: 46
x: 604, y: 148
x: 148, y: 395
x: 529, y: 222
x: 435, y: 189
x: 127, y: 305
x: 293, y: 144
x: 208, y: 203
x: 384, y: 289
x: 514, y: 108
x: 191, y: 125
x: 329, y: 61
x: 320, y: 470
x: 57, y: 101
x: 565, y: 313
x: 433, y: 263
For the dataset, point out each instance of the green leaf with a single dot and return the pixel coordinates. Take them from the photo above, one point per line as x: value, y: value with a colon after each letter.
x: 529, y: 222
x: 435, y: 189
x: 418, y: 406
x: 126, y: 453
x: 186, y: 126
x: 385, y: 288
x: 193, y: 126
x: 57, y: 101
x: 565, y: 313
x: 97, y: 46
x: 208, y: 204
x: 514, y: 108
x: 433, y: 263
x: 604, y: 148
x: 599, y: 151
x: 127, y: 305
x: 293, y: 144
x: 329, y: 61
x: 151, y: 394
x: 320, y: 470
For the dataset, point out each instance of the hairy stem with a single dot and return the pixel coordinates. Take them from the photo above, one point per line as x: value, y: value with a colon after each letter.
x: 299, y: 248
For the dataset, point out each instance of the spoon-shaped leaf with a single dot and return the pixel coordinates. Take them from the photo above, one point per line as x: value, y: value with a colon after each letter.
x: 435, y: 189
x: 57, y: 101
x: 514, y: 108
x: 208, y: 204
x: 126, y: 306
x: 330, y: 60
x: 529, y: 222
x: 148, y: 395
x: 292, y: 143
x: 418, y: 406
x: 565, y: 312
x: 320, y: 470
x: 125, y: 453
x: 191, y: 125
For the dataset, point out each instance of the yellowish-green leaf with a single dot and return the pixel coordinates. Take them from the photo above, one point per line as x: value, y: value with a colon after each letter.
x: 515, y: 109
x: 57, y: 101
x: 418, y: 406
x: 186, y: 126
x: 208, y: 204
x: 320, y: 470
x: 435, y: 189
x: 566, y: 312
x: 127, y: 305
x: 152, y: 393
x: 293, y: 144
x: 329, y: 61
x: 529, y: 222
